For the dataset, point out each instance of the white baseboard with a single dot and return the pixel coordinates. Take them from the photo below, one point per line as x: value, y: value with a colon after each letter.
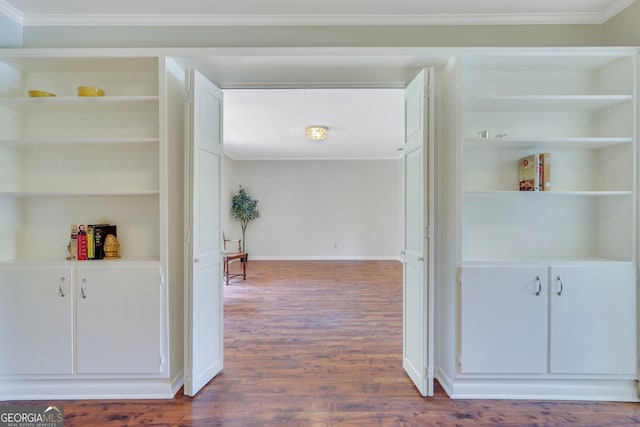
x: 322, y: 258
x: 544, y: 389
x: 89, y: 389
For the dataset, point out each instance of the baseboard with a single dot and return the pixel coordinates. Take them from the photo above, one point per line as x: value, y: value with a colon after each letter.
x: 545, y: 389
x: 322, y: 258
x: 446, y: 382
x: 89, y: 389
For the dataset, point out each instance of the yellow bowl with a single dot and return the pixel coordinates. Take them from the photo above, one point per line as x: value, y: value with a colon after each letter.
x: 39, y: 93
x: 90, y: 91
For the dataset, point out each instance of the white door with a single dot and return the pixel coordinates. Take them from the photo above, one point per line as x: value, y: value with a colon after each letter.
x: 203, y: 259
x: 419, y: 216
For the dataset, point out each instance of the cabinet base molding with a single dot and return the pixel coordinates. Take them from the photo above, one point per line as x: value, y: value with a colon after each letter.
x: 60, y: 389
x: 546, y: 389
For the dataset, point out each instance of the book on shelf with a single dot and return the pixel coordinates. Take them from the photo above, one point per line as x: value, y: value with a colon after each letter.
x: 73, y: 243
x: 101, y: 231
x: 534, y: 172
x: 82, y: 242
x: 529, y: 173
x: 545, y: 171
x: 87, y: 241
x: 91, y: 245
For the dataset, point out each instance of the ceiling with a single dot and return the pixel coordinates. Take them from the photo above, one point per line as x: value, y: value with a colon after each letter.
x: 271, y: 97
x: 270, y: 124
x: 299, y: 12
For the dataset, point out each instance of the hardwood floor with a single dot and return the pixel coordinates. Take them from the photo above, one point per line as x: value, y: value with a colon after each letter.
x: 320, y: 344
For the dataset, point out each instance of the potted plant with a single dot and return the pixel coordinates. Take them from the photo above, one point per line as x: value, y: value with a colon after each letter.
x: 245, y: 210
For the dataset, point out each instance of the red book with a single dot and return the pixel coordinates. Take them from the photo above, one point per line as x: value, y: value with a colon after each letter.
x: 82, y: 243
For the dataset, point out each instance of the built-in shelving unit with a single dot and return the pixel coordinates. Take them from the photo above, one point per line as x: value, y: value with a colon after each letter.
x: 581, y: 111
x: 70, y: 159
x: 544, y: 282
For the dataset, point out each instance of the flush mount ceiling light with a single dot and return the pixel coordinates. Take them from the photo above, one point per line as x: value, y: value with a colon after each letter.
x: 316, y: 133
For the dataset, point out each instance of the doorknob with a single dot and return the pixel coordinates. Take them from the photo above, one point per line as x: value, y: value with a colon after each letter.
x: 196, y: 260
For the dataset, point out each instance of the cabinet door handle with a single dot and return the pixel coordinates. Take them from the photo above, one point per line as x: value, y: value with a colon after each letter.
x: 196, y: 260
x: 60, y: 287
x: 82, y: 288
x: 539, y: 285
x: 421, y: 258
x: 561, y: 285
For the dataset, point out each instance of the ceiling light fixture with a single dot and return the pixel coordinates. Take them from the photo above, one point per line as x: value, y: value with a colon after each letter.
x: 316, y: 133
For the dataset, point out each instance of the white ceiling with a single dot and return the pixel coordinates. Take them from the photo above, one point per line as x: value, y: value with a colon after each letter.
x: 300, y: 12
x: 355, y: 92
x: 270, y: 124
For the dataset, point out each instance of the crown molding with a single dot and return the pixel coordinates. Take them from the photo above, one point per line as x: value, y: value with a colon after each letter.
x: 11, y: 12
x: 322, y: 20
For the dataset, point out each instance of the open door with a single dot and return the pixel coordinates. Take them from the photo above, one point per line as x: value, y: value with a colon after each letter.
x: 418, y: 273
x: 203, y: 253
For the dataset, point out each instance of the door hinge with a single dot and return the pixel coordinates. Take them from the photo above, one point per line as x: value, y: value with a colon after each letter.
x: 428, y: 371
x: 161, y: 362
x: 188, y: 98
x: 460, y: 359
x: 187, y: 236
x: 428, y: 232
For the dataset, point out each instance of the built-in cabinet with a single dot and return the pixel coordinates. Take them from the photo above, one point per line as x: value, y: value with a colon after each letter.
x: 548, y: 320
x: 81, y: 320
x: 100, y: 325
x: 543, y: 282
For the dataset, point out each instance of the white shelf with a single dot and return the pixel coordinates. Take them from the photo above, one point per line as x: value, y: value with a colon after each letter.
x: 491, y: 262
x: 547, y: 193
x: 75, y: 263
x: 80, y: 103
x: 543, y: 103
x: 509, y: 143
x: 22, y: 194
x: 75, y: 141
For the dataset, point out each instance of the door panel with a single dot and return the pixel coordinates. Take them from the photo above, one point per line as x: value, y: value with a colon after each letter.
x: 40, y: 301
x: 593, y: 320
x: 203, y: 259
x: 504, y: 320
x: 118, y: 320
x: 418, y: 253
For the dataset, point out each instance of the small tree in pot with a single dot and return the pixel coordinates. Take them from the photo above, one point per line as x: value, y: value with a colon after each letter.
x: 245, y: 210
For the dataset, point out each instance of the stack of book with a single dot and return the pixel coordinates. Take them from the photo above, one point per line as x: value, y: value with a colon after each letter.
x: 88, y: 240
x: 534, y: 172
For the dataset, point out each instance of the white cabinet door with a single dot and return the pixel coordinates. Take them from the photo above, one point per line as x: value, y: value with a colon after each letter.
x: 118, y: 323
x: 504, y: 320
x: 593, y: 320
x: 36, y: 325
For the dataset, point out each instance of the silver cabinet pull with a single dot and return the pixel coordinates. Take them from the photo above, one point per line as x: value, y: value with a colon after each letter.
x: 60, y: 287
x: 561, y: 285
x: 420, y: 258
x: 539, y: 285
x: 82, y: 288
x: 196, y: 260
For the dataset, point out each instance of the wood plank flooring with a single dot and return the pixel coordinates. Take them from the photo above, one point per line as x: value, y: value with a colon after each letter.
x: 320, y: 344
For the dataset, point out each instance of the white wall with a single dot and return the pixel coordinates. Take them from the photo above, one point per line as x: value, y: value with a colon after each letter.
x: 272, y: 36
x: 10, y: 32
x: 322, y: 209
x: 624, y: 29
